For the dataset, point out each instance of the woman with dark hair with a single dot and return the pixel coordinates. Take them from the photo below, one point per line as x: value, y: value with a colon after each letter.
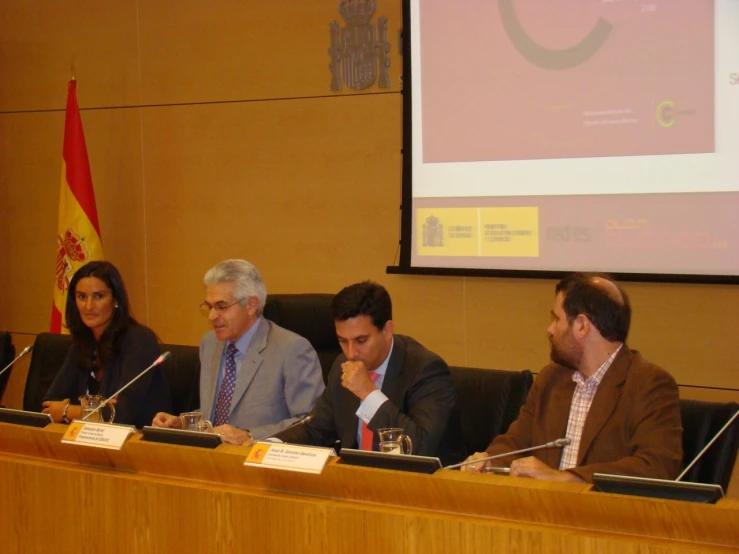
x: 109, y: 348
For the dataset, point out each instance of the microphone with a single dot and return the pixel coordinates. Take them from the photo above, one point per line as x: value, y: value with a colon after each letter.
x: 559, y: 443
x: 301, y: 421
x: 714, y: 439
x: 105, y: 402
x: 26, y: 350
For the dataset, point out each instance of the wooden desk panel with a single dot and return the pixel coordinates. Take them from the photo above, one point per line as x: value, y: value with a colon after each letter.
x: 159, y: 498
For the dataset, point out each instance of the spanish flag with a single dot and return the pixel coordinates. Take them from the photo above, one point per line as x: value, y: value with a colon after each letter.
x: 78, y: 240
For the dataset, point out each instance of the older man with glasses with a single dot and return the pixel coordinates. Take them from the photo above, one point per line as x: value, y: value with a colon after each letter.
x: 256, y: 378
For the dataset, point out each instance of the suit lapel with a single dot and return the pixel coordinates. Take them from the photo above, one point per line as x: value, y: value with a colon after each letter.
x: 557, y: 416
x: 392, y: 383
x: 251, y: 362
x: 394, y: 371
x: 82, y: 381
x: 208, y: 401
x: 605, y: 400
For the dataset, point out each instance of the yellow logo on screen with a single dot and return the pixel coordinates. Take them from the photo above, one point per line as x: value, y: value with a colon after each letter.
x: 666, y: 113
x: 491, y: 232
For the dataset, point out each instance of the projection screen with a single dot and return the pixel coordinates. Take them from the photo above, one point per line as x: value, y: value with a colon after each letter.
x: 595, y: 135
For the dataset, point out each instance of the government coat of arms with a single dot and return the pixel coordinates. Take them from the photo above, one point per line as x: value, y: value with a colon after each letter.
x: 71, y: 249
x: 432, y: 233
x: 360, y: 50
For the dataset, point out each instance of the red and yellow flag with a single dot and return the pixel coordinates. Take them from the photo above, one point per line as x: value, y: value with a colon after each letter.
x: 78, y: 240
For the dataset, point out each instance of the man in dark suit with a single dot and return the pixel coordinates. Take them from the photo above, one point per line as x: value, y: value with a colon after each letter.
x: 620, y: 412
x: 382, y: 380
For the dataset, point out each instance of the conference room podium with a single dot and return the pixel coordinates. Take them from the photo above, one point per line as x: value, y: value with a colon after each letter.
x: 161, y: 498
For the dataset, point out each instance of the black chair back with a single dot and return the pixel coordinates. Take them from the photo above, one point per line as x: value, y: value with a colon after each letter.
x: 7, y: 353
x: 701, y: 421
x: 47, y: 358
x: 489, y: 401
x: 182, y: 372
x: 308, y: 315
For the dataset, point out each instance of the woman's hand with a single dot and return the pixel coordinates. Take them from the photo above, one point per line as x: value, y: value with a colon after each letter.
x: 55, y: 408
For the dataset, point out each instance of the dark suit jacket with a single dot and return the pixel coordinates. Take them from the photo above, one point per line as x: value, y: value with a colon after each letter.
x: 420, y: 400
x: 140, y: 402
x: 633, y: 426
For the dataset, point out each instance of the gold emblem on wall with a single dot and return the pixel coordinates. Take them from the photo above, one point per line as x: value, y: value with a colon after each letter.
x: 360, y: 50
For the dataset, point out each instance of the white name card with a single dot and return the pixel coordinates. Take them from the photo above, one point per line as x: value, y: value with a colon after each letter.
x: 290, y: 457
x: 97, y: 435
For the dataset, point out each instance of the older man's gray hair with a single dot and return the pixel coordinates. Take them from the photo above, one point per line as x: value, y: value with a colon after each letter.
x: 246, y: 277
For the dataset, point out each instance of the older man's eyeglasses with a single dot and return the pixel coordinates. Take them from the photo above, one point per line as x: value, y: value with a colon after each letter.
x: 219, y: 307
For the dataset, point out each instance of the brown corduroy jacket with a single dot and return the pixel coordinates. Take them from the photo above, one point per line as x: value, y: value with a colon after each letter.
x: 633, y: 426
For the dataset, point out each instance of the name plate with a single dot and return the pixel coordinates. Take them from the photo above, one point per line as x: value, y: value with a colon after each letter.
x: 290, y: 457
x: 97, y: 435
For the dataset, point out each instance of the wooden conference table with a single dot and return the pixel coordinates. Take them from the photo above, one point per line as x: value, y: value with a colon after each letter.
x: 161, y: 498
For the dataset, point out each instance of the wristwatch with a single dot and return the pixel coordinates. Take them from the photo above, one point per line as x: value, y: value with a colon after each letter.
x: 64, y: 413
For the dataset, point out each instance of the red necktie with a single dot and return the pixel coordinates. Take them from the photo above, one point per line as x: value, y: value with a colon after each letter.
x: 366, y: 433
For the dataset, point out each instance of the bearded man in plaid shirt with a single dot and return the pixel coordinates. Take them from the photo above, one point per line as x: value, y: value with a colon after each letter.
x: 620, y: 412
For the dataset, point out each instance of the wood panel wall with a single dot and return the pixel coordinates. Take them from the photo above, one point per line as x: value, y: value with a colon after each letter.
x: 212, y: 133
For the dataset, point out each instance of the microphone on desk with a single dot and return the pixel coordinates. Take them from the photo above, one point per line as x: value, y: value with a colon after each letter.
x: 301, y: 421
x: 161, y: 359
x: 732, y: 419
x: 26, y: 350
x: 559, y: 443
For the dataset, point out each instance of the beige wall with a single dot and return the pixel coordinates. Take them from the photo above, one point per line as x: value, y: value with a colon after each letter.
x: 212, y: 133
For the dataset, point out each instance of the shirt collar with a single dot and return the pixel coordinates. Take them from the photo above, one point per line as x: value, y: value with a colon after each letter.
x: 596, y: 377
x: 244, y: 341
x: 383, y: 366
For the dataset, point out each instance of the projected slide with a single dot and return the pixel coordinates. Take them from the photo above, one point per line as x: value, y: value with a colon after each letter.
x: 594, y: 135
x: 566, y: 79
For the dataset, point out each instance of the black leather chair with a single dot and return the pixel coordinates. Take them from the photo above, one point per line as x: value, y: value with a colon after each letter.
x: 47, y: 358
x: 489, y: 401
x: 308, y: 315
x: 7, y: 353
x: 701, y: 421
x: 182, y: 372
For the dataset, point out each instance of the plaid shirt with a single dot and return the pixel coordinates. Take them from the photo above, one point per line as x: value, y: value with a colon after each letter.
x: 585, y: 390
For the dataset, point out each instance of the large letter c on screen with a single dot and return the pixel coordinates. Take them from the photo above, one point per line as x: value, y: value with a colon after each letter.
x: 547, y: 58
x: 665, y: 113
